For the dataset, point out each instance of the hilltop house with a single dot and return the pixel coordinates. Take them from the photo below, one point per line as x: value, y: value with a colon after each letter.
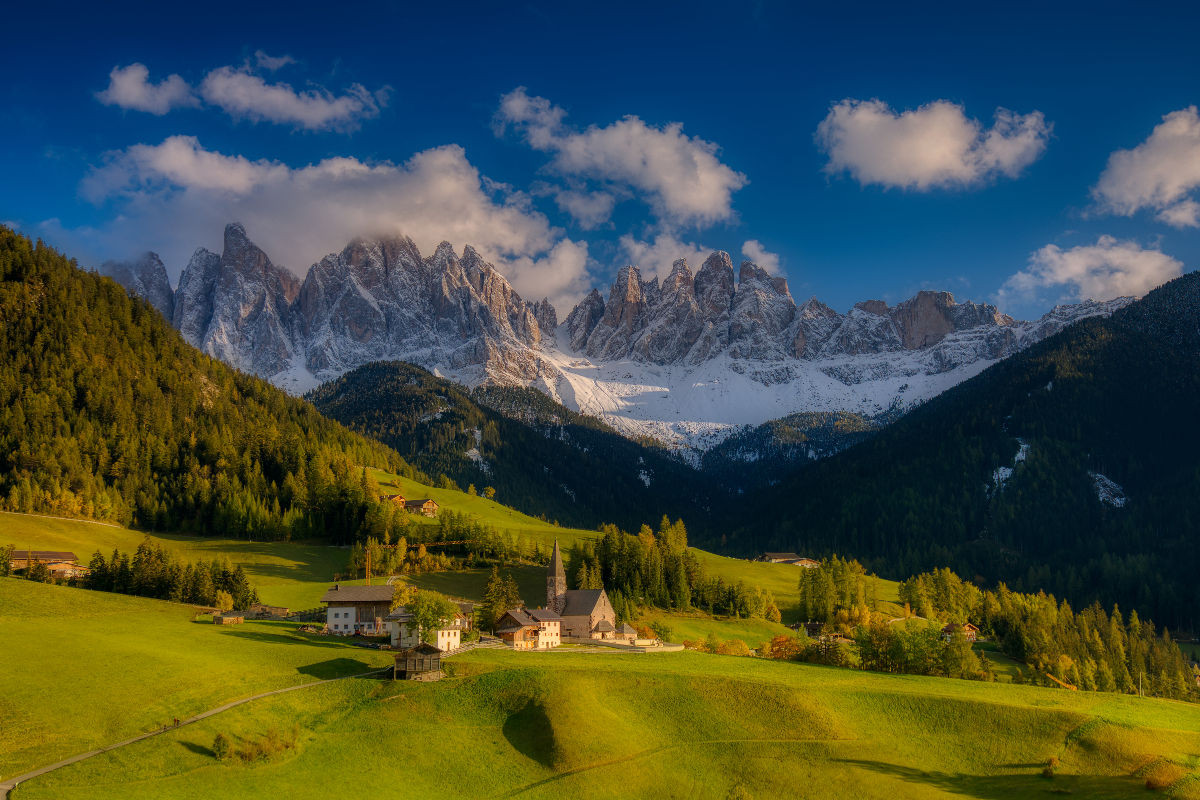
x: 448, y: 638
x: 357, y: 609
x: 425, y: 507
x: 585, y: 613
x: 395, y: 499
x: 789, y: 558
x: 968, y: 630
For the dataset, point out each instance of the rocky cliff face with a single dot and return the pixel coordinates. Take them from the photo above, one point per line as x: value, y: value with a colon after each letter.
x: 147, y: 278
x: 380, y: 300
x: 688, y: 320
x: 238, y: 307
x: 687, y: 360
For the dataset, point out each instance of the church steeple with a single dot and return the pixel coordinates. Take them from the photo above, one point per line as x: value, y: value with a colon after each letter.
x: 556, y: 582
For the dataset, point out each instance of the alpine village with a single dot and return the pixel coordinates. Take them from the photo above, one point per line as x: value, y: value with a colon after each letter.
x: 419, y: 401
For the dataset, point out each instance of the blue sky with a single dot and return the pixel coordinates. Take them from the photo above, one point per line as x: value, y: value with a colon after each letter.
x: 856, y: 150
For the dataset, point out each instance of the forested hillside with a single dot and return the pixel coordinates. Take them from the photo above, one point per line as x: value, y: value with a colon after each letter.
x: 106, y: 413
x: 1073, y: 467
x: 540, y: 457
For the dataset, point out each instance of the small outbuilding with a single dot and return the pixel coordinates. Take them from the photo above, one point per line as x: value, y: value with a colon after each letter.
x: 229, y: 618
x: 420, y: 663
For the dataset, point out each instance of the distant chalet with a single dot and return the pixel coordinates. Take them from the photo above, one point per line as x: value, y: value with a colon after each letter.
x: 424, y: 506
x: 969, y: 631
x: 60, y: 563
x: 789, y: 558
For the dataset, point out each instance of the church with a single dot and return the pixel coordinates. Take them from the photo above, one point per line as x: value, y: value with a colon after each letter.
x: 586, y: 613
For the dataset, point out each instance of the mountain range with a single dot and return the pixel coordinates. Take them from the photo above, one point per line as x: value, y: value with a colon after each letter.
x: 688, y: 360
x: 1070, y: 467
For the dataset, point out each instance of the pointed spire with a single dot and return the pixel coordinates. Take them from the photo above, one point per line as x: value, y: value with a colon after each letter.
x: 556, y: 565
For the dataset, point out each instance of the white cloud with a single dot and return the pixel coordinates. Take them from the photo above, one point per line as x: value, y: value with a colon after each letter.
x: 934, y: 146
x: 754, y: 251
x: 1158, y: 174
x: 1109, y: 268
x: 272, y: 63
x: 681, y: 176
x: 242, y: 94
x: 655, y: 258
x: 589, y: 209
x: 130, y: 87
x: 175, y: 196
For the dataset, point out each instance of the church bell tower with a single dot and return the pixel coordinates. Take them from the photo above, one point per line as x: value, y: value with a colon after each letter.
x: 556, y: 583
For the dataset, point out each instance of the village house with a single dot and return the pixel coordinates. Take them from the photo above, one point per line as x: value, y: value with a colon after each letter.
x: 969, y: 631
x: 395, y: 499
x: 517, y: 629
x: 585, y: 613
x: 540, y: 629
x: 405, y: 635
x: 425, y: 507
x: 357, y: 609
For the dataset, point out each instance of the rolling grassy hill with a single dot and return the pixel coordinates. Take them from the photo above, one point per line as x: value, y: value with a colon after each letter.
x: 90, y: 668
x: 684, y: 725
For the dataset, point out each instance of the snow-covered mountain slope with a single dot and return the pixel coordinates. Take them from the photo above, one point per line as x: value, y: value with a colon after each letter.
x: 686, y: 361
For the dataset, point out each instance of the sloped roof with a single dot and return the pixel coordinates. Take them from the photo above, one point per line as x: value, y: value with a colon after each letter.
x: 627, y: 629
x: 43, y: 555
x: 604, y: 626
x: 358, y: 594
x: 420, y: 502
x: 581, y: 602
x: 424, y: 648
x: 518, y: 619
x: 544, y: 615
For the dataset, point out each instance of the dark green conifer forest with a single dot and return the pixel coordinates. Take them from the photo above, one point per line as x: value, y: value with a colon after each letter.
x: 107, y: 413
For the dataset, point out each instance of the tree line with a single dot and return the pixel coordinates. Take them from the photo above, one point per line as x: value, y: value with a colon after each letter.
x: 655, y: 568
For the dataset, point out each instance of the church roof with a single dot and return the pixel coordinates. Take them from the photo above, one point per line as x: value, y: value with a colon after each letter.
x: 604, y: 626
x: 581, y: 602
x: 544, y: 615
x: 556, y: 565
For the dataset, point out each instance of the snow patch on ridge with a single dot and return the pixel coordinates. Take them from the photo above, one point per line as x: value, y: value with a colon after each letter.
x: 1108, y: 491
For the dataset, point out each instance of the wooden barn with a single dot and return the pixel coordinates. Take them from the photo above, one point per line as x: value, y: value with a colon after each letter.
x: 420, y: 663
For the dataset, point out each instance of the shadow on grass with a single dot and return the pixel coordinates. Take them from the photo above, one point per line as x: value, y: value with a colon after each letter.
x: 198, y: 749
x: 334, y: 668
x: 1002, y: 787
x: 530, y: 733
x: 288, y: 638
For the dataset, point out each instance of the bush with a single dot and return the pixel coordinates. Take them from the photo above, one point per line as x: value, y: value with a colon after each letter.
x: 661, y: 630
x: 733, y: 647
x: 222, y: 747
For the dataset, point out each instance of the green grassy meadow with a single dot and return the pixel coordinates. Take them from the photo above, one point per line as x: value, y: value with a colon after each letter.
x: 549, y: 725
x: 82, y: 668
x: 291, y: 574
